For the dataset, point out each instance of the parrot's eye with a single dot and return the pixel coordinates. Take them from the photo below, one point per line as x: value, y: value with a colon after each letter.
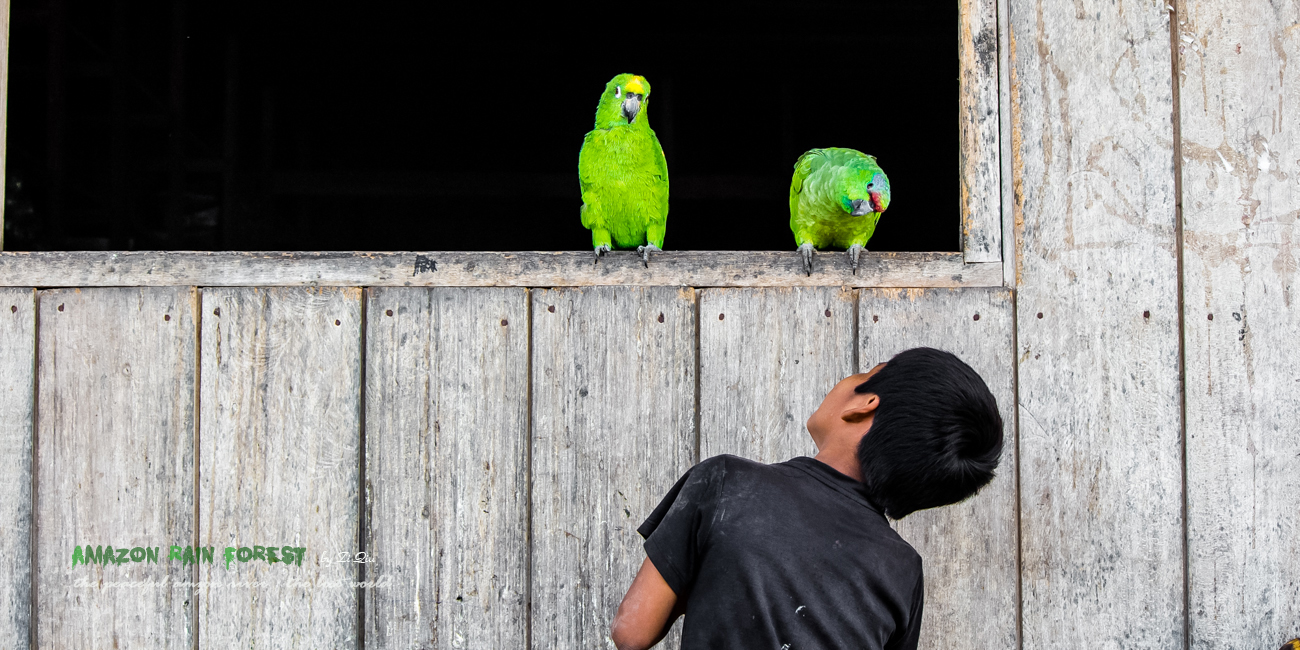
x: 618, y: 92
x: 870, y: 184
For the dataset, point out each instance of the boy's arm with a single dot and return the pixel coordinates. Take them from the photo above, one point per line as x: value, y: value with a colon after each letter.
x: 647, y: 611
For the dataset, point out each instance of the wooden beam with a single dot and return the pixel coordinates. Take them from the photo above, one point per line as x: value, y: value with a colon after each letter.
x: 1101, y: 475
x: 17, y: 410
x: 278, y: 464
x: 981, y: 182
x: 767, y: 359
x: 1004, y: 145
x: 613, y: 427
x: 447, y: 467
x: 969, y: 548
x: 487, y: 269
x: 1239, y: 143
x: 114, y: 464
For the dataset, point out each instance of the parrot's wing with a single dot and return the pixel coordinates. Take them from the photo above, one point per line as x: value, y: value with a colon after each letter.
x: 585, y: 163
x: 586, y: 176
x: 802, y: 169
x: 805, y: 166
x: 661, y: 165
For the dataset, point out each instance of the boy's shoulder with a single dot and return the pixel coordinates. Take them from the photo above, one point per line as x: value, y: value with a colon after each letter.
x: 724, y: 462
x: 728, y: 466
x: 802, y: 481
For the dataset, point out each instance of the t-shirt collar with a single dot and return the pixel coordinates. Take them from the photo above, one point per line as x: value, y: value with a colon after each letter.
x: 837, y: 481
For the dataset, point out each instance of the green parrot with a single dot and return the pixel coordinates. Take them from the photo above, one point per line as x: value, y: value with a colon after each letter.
x: 836, y: 197
x: 623, y: 174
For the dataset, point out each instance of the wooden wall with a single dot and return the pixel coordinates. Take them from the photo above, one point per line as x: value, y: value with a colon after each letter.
x: 505, y: 447
x: 493, y: 447
x: 1097, y: 326
x: 1240, y: 155
x: 1155, y: 195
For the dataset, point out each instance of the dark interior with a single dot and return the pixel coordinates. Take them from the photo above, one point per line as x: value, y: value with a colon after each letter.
x: 400, y: 126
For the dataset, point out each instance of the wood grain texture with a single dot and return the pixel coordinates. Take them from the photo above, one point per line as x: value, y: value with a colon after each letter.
x: 767, y: 358
x: 1241, y: 197
x: 1005, y: 145
x: 486, y: 269
x: 447, y: 466
x: 17, y: 392
x: 981, y: 170
x: 115, y: 465
x: 1099, y: 391
x: 969, y: 549
x: 613, y: 429
x: 278, y: 464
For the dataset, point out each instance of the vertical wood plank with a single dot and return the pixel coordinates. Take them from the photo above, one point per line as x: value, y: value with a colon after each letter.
x: 1241, y: 197
x: 115, y: 464
x: 17, y: 386
x: 278, y: 464
x: 446, y: 467
x: 767, y: 358
x: 1100, y: 405
x: 613, y: 429
x: 979, y: 126
x: 1005, y: 144
x: 969, y: 549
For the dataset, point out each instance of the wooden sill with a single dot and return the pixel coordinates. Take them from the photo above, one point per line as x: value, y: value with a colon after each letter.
x: 487, y: 269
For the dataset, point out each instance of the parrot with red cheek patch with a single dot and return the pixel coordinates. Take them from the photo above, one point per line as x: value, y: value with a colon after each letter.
x: 836, y: 198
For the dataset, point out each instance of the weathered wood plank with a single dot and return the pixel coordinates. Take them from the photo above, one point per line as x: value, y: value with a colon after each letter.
x: 1240, y: 144
x: 981, y: 171
x: 613, y: 429
x: 17, y: 386
x: 115, y: 465
x: 1005, y: 145
x: 767, y: 358
x: 485, y: 269
x: 447, y: 466
x: 969, y: 549
x: 1099, y: 412
x: 278, y: 462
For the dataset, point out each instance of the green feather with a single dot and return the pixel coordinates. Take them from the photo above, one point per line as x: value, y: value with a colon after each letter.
x: 825, y: 185
x: 622, y: 173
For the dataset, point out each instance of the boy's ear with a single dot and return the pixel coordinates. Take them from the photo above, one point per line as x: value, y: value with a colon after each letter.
x: 861, y: 408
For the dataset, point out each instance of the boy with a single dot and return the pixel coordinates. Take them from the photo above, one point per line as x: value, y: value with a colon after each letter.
x: 799, y: 555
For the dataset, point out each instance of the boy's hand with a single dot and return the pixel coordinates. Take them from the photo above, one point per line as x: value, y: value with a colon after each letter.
x: 647, y: 611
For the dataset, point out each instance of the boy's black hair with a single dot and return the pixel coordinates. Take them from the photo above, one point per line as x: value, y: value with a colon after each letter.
x: 936, y: 437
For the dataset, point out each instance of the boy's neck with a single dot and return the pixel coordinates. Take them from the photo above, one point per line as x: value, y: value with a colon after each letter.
x: 843, y: 459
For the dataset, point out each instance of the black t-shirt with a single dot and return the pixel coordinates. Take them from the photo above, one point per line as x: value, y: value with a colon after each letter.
x: 789, y: 556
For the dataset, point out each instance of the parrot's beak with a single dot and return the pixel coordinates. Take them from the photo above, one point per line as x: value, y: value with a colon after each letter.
x: 877, y: 203
x: 861, y: 207
x: 631, y: 106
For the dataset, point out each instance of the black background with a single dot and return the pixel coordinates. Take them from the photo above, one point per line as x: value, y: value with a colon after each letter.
x: 386, y: 126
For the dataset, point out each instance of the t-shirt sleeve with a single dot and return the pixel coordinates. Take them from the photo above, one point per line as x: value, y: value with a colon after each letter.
x: 909, y: 638
x: 677, y: 531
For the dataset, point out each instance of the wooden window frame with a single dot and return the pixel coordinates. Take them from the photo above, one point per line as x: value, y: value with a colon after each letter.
x: 984, y: 167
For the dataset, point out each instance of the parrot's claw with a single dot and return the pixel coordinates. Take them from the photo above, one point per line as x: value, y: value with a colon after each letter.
x: 854, y: 251
x: 601, y: 250
x: 806, y: 250
x: 645, y: 253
